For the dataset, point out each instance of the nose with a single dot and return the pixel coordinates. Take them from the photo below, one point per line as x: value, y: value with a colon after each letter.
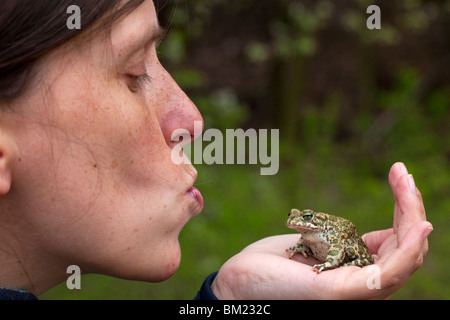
x: 177, y: 111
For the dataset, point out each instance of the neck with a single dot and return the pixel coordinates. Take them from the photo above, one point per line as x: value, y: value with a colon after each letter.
x: 21, y: 270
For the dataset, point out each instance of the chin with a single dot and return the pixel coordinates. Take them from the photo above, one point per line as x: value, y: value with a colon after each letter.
x: 157, y: 267
x: 169, y: 265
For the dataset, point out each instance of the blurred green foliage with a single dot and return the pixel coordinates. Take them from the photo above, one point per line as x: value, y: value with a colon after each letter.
x: 349, y: 102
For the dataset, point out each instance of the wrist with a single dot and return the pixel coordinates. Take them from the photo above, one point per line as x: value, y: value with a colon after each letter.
x: 221, y: 289
x: 205, y: 292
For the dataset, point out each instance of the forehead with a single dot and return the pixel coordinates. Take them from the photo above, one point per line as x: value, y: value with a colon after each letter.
x: 135, y: 29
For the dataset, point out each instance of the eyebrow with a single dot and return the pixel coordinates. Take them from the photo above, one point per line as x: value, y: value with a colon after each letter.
x: 155, y: 35
x: 158, y: 35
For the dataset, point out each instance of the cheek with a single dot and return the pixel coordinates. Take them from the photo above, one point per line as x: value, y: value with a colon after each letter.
x: 99, y: 172
x: 141, y: 153
x: 120, y: 131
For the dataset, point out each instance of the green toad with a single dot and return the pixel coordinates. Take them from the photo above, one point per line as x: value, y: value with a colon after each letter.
x: 330, y: 239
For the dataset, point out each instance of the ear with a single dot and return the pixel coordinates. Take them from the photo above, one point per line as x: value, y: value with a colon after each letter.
x: 7, y: 153
x: 5, y: 175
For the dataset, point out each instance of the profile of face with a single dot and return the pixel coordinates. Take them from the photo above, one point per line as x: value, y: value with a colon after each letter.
x: 86, y: 170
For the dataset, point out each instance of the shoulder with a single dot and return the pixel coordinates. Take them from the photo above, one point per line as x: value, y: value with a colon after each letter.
x: 9, y: 294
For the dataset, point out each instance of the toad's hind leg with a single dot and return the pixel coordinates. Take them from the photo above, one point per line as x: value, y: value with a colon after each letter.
x: 359, y: 262
x: 335, y: 257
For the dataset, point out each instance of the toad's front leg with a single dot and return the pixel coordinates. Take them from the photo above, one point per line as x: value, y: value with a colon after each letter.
x: 301, y: 247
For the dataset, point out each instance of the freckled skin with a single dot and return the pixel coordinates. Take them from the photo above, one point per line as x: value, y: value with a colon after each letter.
x: 330, y: 239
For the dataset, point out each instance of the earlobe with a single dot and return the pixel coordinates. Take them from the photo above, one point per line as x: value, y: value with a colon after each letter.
x: 8, y: 152
x: 5, y: 174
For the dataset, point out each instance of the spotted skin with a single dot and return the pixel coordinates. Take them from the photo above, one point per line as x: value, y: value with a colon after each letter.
x: 332, y: 240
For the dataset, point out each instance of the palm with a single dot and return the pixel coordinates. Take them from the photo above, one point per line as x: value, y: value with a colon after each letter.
x: 263, y: 270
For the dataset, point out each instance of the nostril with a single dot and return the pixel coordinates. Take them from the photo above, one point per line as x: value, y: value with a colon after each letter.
x: 180, y: 137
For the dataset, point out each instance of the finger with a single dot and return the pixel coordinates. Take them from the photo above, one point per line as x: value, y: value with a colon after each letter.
x: 408, y: 257
x: 415, y: 241
x: 398, y: 170
x: 375, y: 239
x: 409, y: 206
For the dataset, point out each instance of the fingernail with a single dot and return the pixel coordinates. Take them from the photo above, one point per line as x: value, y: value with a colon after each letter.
x: 427, y: 232
x: 412, y: 184
x: 402, y: 168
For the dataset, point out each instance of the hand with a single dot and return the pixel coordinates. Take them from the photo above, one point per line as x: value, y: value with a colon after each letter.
x: 263, y: 270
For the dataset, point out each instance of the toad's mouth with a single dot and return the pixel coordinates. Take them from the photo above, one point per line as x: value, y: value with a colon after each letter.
x: 303, y: 227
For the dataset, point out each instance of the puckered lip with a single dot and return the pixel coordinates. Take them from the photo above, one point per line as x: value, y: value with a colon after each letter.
x: 197, y: 196
x: 193, y: 192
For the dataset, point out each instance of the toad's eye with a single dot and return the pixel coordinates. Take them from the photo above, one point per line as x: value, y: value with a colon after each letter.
x: 307, y: 216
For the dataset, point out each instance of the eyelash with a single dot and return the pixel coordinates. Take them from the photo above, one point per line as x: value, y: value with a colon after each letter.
x: 138, y: 81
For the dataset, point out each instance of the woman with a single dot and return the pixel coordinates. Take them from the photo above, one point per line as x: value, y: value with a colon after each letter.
x: 86, y: 177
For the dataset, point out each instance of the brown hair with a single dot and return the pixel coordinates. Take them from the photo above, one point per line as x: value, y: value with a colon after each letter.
x: 30, y: 29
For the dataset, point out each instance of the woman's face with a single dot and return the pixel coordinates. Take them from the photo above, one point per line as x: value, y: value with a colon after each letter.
x: 93, y: 183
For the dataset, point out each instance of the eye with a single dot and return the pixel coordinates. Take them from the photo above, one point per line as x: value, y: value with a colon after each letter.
x: 307, y: 216
x: 136, y: 82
